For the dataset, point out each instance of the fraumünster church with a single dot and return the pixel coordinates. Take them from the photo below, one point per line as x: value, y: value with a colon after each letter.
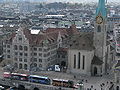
x: 90, y: 53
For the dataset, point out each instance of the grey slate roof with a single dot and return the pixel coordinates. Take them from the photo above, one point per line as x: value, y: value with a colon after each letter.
x: 82, y: 41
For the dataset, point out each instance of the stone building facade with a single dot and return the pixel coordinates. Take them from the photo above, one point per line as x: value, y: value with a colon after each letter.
x: 35, y: 51
x: 89, y: 53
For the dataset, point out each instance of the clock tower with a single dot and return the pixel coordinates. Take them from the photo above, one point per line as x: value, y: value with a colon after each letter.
x: 100, y: 32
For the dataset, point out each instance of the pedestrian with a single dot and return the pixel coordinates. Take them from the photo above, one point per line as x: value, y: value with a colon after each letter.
x: 86, y: 81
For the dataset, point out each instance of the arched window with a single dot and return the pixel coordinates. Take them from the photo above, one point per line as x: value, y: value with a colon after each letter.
x: 25, y: 66
x: 16, y: 65
x: 15, y: 47
x: 20, y: 66
x: 20, y: 47
x: 25, y: 48
x: 99, y: 28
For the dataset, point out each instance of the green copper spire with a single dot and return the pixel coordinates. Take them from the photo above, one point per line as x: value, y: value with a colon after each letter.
x: 101, y: 9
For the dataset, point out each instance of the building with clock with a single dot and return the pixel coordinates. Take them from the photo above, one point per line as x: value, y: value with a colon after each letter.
x: 90, y: 53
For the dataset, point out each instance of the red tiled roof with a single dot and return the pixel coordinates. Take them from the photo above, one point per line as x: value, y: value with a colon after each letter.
x: 49, y: 34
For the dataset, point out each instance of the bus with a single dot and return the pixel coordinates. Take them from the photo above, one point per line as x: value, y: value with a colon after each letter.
x: 63, y: 83
x: 18, y: 76
x: 39, y: 79
x: 7, y: 75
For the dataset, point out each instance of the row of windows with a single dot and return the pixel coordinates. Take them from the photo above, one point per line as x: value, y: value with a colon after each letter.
x: 40, y: 54
x: 21, y: 66
x: 20, y: 59
x: 8, y: 51
x: 20, y: 47
x: 40, y: 49
x: 35, y: 65
x: 35, y: 60
x: 25, y: 59
x: 21, y: 54
x: 35, y: 54
x: 79, y: 61
x: 37, y: 49
x: 8, y: 46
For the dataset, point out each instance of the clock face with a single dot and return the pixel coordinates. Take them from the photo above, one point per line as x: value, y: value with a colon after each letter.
x: 99, y: 19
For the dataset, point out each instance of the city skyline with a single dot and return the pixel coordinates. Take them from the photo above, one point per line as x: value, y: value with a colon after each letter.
x: 71, y: 1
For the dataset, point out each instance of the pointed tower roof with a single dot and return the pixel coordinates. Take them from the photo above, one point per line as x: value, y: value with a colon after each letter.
x: 101, y: 9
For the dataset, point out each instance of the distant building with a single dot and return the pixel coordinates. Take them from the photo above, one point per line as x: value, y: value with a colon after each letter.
x: 115, y: 19
x: 117, y: 76
x: 116, y: 33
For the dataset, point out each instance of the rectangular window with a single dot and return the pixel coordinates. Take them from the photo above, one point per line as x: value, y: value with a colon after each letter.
x: 40, y: 49
x: 83, y: 62
x: 25, y: 48
x: 8, y: 56
x: 25, y: 60
x: 4, y: 50
x: 15, y: 59
x: 25, y: 54
x: 40, y: 54
x: 63, y: 56
x: 8, y: 51
x: 40, y: 60
x: 20, y: 38
x: 79, y: 60
x: 16, y: 53
x: 20, y: 54
x: 35, y: 59
x: 20, y: 59
x: 4, y: 45
x: 45, y: 55
x: 74, y: 61
x: 58, y: 56
x: 35, y: 49
x: 8, y: 46
x: 35, y: 54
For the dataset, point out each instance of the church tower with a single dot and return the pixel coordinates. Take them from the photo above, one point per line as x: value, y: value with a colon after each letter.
x: 100, y: 32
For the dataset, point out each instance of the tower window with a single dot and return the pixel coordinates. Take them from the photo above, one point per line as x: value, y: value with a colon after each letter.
x: 79, y: 60
x: 99, y: 28
x: 74, y: 61
x: 83, y: 67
